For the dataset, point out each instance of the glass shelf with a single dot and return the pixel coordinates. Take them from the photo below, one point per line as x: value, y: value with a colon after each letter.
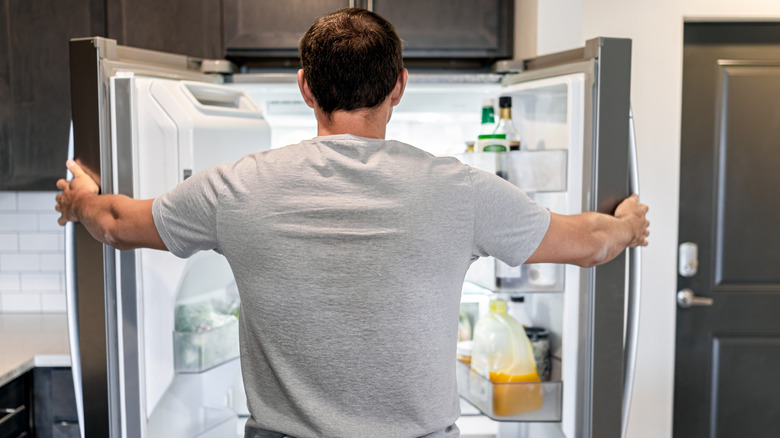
x: 538, y: 171
x: 198, y: 352
x: 520, y: 402
x: 535, y: 278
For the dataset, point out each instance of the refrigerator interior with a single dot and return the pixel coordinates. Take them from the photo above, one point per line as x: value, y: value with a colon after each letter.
x: 439, y: 117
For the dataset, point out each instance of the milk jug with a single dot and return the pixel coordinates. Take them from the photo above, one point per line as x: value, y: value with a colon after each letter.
x: 502, y: 354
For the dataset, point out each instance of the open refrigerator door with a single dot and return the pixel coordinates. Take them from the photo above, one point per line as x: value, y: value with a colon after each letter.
x: 572, y: 113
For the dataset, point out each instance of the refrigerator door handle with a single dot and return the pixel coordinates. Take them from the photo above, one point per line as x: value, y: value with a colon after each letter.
x: 71, y: 298
x: 71, y: 304
x: 634, y: 289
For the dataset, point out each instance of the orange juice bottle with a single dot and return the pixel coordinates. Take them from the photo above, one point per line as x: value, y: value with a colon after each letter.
x: 502, y: 354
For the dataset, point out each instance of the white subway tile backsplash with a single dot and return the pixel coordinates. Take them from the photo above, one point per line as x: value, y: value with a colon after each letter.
x: 53, y: 302
x: 8, y: 201
x: 19, y: 262
x: 20, y: 302
x: 18, y: 222
x: 9, y: 242
x: 41, y: 282
x: 37, y: 201
x: 48, y: 222
x: 40, y: 242
x: 52, y: 262
x: 32, y: 261
x: 9, y: 282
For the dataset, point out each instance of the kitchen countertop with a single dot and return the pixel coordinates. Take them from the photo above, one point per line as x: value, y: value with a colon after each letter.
x: 32, y: 340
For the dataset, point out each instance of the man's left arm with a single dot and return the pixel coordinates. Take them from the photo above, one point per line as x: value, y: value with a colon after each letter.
x: 116, y: 220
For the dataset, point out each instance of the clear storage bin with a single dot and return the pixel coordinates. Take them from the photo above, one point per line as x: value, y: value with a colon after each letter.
x: 527, y: 402
x: 196, y: 352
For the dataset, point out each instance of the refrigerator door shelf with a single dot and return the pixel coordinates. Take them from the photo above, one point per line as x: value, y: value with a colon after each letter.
x: 536, y: 278
x: 522, y: 401
x: 533, y: 171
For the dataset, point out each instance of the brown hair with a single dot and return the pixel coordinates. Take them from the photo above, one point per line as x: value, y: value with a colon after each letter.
x: 351, y: 59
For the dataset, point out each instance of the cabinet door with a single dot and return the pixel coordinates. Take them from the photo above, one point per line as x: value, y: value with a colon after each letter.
x: 451, y: 28
x: 187, y: 27
x: 15, y: 407
x: 271, y: 28
x: 35, y: 88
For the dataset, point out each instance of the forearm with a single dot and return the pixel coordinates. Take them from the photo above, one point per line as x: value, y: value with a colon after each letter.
x: 117, y: 220
x: 610, y: 237
x: 585, y: 239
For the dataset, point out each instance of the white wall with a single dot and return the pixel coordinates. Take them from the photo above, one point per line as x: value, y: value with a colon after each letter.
x: 656, y: 28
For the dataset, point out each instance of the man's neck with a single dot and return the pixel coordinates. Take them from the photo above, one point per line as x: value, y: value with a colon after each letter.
x: 369, y: 123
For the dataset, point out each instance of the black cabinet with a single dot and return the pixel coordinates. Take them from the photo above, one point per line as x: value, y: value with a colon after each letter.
x: 260, y: 31
x: 54, y: 409
x: 34, y: 87
x: 34, y: 69
x: 187, y: 27
x: 270, y: 28
x: 451, y: 28
x: 16, y: 407
x: 39, y: 403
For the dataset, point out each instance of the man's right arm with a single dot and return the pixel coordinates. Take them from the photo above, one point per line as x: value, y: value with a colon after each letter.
x: 591, y: 239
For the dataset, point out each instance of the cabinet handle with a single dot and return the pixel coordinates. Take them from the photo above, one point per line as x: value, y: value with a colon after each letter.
x: 9, y: 413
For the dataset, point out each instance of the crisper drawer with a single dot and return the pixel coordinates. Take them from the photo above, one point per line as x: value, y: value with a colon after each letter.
x: 525, y: 402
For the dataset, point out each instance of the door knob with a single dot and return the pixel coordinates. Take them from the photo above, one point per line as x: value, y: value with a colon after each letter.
x: 686, y: 298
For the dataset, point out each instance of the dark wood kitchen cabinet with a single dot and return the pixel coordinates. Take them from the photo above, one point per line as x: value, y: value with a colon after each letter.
x: 16, y: 407
x: 451, y: 28
x: 187, y: 27
x: 34, y: 68
x: 270, y: 28
x: 435, y: 29
x: 54, y: 403
x: 34, y: 87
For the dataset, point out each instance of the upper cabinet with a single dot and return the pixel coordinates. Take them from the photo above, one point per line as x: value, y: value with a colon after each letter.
x: 187, y: 27
x: 34, y: 87
x: 34, y: 62
x: 451, y: 28
x: 258, y: 30
x: 271, y: 28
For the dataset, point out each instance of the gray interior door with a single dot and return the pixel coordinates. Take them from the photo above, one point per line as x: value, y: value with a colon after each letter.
x: 727, y: 382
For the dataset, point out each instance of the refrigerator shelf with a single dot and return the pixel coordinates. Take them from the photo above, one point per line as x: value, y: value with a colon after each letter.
x: 534, y: 171
x: 534, y: 278
x: 198, y: 352
x: 516, y: 402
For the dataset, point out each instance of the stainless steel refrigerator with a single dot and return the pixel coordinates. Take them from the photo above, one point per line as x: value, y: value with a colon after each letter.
x: 143, y: 121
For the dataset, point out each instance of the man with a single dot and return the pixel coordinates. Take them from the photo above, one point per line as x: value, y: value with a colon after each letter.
x: 349, y: 251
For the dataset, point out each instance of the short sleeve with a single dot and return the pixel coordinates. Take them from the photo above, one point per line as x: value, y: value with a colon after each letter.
x: 508, y: 225
x: 186, y: 216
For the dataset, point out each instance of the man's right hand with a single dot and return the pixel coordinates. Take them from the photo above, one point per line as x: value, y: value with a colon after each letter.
x: 591, y: 239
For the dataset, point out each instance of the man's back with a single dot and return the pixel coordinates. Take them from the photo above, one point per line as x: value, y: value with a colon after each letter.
x: 349, y: 254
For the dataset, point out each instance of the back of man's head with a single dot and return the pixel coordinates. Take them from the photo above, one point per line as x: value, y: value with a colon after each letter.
x: 351, y: 59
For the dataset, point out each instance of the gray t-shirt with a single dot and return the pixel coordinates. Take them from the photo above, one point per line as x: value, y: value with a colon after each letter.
x: 349, y: 255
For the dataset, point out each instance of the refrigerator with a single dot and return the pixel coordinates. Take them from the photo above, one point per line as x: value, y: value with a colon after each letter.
x: 143, y: 121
